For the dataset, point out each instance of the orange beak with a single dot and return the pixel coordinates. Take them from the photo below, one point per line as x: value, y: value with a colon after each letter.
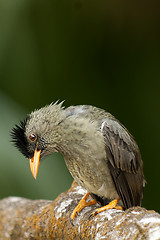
x: 34, y: 163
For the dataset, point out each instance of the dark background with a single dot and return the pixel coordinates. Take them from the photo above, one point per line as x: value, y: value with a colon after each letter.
x: 103, y: 53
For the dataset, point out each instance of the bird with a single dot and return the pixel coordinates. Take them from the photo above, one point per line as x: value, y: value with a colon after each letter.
x: 100, y: 153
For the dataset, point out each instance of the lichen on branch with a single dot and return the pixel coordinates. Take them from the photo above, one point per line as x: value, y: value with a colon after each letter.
x: 22, y: 218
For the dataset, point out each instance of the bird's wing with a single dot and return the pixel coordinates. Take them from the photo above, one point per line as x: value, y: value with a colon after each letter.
x: 124, y: 162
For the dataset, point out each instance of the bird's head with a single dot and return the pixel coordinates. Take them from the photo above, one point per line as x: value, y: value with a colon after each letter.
x: 37, y: 136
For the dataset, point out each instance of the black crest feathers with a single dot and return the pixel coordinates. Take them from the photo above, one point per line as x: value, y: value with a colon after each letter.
x: 19, y: 138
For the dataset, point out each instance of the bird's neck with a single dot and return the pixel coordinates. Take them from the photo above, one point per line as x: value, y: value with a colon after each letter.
x: 79, y: 136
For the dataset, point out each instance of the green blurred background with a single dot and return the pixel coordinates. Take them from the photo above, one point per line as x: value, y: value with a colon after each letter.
x: 103, y: 53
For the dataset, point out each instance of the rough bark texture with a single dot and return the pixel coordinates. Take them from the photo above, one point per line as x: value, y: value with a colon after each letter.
x: 41, y: 219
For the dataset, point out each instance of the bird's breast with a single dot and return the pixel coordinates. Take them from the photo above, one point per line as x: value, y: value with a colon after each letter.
x: 92, y: 173
x: 85, y: 157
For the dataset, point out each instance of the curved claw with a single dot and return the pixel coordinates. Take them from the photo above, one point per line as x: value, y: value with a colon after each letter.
x: 111, y: 205
x: 82, y: 204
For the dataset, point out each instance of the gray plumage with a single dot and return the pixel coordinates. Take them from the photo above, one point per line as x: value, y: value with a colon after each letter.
x: 100, y: 153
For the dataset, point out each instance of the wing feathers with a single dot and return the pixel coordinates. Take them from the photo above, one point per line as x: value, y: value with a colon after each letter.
x: 124, y: 162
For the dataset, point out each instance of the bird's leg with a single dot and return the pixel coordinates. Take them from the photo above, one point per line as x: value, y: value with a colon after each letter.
x: 82, y: 204
x: 112, y: 204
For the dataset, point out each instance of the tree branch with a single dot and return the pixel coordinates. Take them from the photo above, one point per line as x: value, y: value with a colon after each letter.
x: 22, y: 218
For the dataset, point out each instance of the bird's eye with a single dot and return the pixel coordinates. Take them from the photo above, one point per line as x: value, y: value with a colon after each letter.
x: 32, y: 137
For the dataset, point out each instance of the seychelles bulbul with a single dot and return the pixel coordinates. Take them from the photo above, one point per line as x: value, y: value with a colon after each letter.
x: 100, y: 153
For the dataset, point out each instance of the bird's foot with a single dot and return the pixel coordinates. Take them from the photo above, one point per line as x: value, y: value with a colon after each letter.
x: 82, y: 204
x: 111, y: 205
